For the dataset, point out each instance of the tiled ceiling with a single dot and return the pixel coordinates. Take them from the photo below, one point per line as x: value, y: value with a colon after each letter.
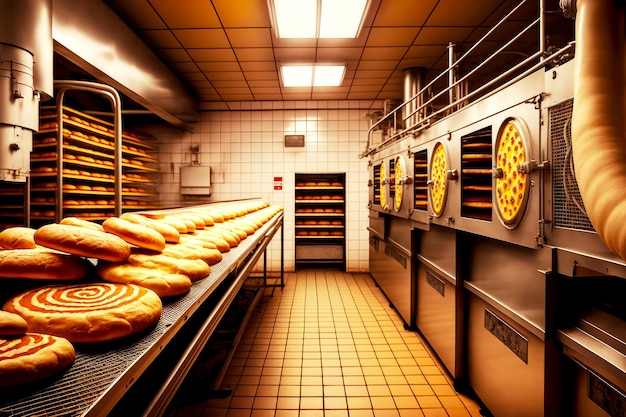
x: 226, y: 50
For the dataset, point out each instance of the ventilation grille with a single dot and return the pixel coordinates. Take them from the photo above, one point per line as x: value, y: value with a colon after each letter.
x: 420, y: 182
x: 569, y: 210
x: 376, y: 181
x: 476, y: 179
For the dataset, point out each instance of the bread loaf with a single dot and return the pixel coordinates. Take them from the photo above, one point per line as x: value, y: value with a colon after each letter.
x: 83, y: 242
x: 18, y: 238
x: 170, y: 234
x: 87, y: 313
x: 136, y: 234
x: 33, y: 357
x: 75, y: 221
x: 163, y: 283
x: 12, y: 324
x: 42, y: 264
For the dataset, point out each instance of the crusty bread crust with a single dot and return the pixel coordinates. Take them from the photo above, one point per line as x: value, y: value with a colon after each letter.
x: 18, y: 238
x: 33, y: 357
x: 75, y: 221
x: 162, y: 282
x: 12, y: 324
x: 42, y: 264
x: 195, y: 269
x: 170, y: 234
x: 88, y: 313
x: 181, y: 251
x: 83, y: 241
x: 136, y: 234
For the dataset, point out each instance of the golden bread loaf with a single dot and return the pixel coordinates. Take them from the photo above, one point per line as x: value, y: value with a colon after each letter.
x: 88, y: 313
x: 12, y: 324
x: 83, y: 241
x: 163, y: 283
x: 42, y: 264
x: 33, y: 357
x: 170, y: 234
x: 135, y: 234
x: 195, y: 269
x: 18, y: 238
x: 75, y: 221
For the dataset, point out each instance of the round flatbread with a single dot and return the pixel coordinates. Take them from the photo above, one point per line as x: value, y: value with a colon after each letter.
x: 33, y: 357
x: 88, y: 313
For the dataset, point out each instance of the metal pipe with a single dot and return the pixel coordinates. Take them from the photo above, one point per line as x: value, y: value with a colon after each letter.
x: 451, y: 72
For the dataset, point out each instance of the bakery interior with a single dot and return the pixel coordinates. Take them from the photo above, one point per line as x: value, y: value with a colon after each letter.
x: 438, y: 233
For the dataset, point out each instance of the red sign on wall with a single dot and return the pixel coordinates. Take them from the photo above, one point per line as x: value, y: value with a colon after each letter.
x: 278, y: 183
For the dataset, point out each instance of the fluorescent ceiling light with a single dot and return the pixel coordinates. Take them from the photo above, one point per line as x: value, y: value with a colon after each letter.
x: 341, y: 18
x: 300, y: 18
x: 328, y: 75
x: 296, y: 18
x: 312, y: 75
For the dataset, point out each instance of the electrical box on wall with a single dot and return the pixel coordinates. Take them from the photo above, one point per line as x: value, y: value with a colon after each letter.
x: 195, y: 180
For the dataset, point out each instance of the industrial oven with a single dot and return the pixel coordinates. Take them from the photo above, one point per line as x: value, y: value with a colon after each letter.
x: 511, y: 286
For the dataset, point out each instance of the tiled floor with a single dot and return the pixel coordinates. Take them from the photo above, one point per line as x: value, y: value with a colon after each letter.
x: 329, y: 345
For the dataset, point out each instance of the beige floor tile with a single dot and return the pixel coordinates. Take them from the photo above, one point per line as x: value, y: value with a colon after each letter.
x: 288, y: 403
x: 312, y: 403
x: 329, y: 345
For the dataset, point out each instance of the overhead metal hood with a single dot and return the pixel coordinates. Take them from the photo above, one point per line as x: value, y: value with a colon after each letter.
x: 91, y: 36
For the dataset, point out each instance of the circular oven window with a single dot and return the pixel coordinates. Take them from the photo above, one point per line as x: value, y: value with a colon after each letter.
x: 399, y: 174
x: 511, y: 183
x: 438, y: 179
x: 383, y: 186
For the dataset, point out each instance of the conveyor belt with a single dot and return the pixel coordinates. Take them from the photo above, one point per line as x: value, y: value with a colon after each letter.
x: 103, y: 373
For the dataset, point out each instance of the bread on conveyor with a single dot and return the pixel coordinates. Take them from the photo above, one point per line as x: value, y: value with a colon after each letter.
x: 33, y: 357
x: 18, y: 238
x: 42, y: 264
x: 83, y: 241
x: 181, y: 251
x: 88, y: 313
x: 136, y: 234
x: 74, y: 221
x: 162, y: 282
x: 12, y: 324
x: 170, y: 234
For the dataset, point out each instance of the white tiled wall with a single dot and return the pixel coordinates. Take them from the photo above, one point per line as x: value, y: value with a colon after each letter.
x: 244, y: 145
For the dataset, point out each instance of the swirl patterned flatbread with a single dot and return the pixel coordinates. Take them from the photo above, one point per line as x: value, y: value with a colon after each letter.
x: 33, y: 357
x: 88, y: 313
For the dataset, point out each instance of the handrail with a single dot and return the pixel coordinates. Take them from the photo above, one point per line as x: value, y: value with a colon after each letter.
x: 533, y: 62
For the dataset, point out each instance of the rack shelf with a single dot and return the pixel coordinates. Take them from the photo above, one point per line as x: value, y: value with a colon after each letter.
x: 320, y: 219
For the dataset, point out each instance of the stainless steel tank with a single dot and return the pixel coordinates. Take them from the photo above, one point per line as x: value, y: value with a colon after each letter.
x: 26, y: 60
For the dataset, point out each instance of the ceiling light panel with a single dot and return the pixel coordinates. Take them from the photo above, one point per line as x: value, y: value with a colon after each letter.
x: 341, y: 19
x: 331, y: 19
x: 309, y: 75
x: 296, y: 18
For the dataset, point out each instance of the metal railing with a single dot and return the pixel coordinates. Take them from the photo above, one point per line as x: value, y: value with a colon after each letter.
x: 409, y: 119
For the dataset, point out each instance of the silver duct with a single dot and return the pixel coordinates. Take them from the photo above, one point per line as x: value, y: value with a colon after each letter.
x: 413, y: 83
x: 26, y: 61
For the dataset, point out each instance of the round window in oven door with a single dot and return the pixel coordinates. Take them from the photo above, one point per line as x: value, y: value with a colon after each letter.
x: 382, y: 180
x: 400, y: 176
x: 511, y: 186
x: 438, y: 181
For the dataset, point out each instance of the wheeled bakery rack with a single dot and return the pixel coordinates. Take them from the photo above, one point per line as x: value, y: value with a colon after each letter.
x: 320, y: 219
x: 140, y: 375
x: 82, y: 164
